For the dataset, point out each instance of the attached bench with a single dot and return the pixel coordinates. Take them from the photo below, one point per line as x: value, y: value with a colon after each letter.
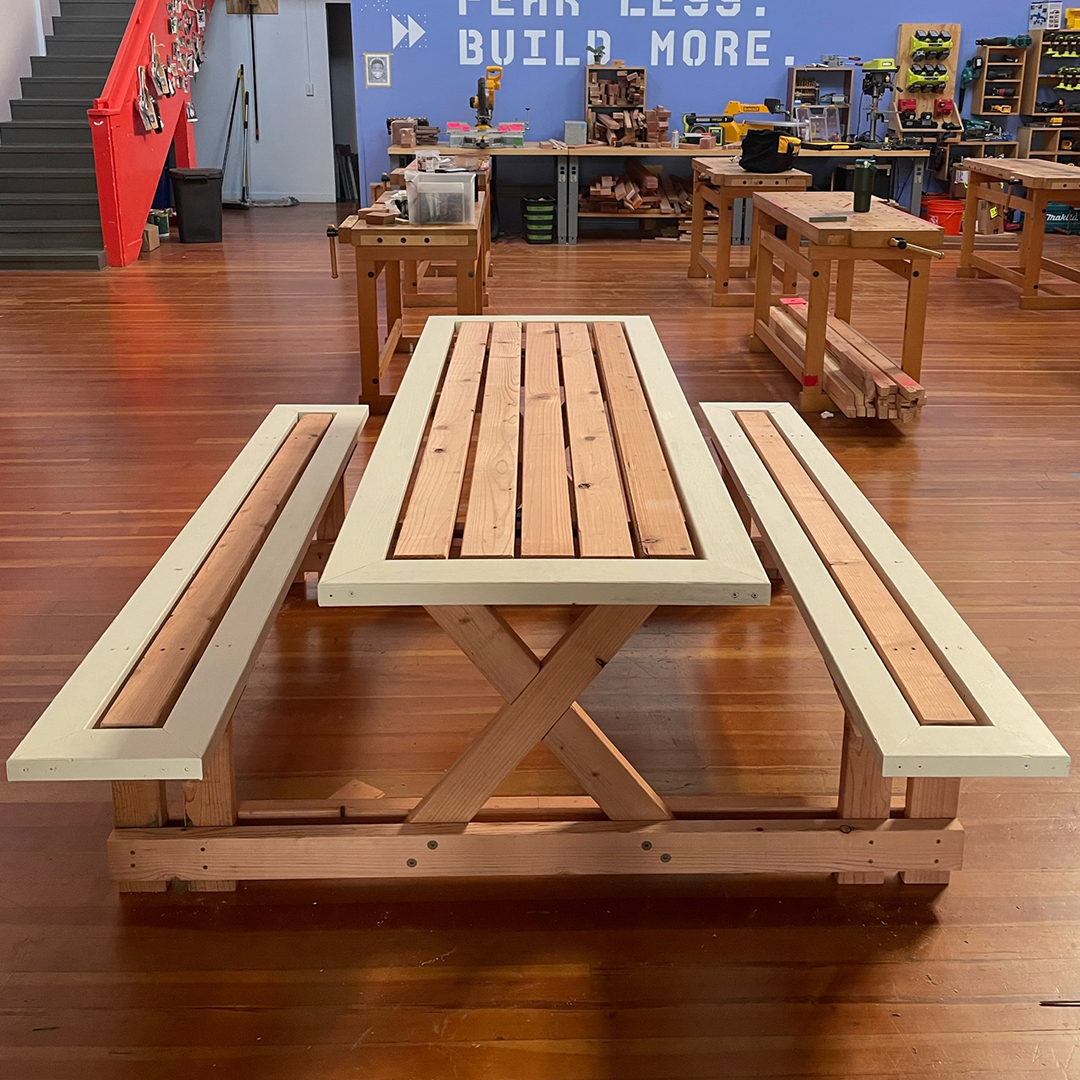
x: 154, y: 698
x: 924, y: 700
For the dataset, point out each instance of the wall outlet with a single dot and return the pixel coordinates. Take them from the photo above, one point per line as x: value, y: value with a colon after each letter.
x: 309, y: 89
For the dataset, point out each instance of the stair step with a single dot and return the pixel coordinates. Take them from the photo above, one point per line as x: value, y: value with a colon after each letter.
x: 50, y: 235
x: 55, y: 207
x: 77, y: 25
x: 50, y: 108
x: 94, y: 67
x: 62, y: 86
x: 35, y: 259
x: 47, y: 157
x: 83, y: 45
x: 46, y: 132
x: 15, y: 181
x: 114, y: 9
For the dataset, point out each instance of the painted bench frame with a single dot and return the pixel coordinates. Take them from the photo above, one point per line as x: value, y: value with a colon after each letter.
x: 883, y: 737
x: 194, y: 742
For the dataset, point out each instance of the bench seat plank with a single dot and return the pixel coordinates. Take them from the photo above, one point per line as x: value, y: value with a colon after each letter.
x: 921, y: 680
x: 1009, y: 738
x: 155, y: 684
x: 66, y: 744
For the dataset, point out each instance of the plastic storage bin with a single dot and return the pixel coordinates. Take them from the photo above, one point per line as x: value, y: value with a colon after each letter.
x: 441, y: 198
x: 538, y: 218
x: 198, y: 204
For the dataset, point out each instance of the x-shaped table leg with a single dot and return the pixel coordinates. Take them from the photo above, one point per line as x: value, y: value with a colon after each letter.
x: 540, y: 705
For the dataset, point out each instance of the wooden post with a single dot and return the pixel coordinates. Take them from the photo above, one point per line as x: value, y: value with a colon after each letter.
x: 212, y: 800
x: 763, y: 294
x: 932, y: 797
x: 697, y: 229
x: 791, y: 276
x: 864, y: 794
x: 140, y: 804
x: 845, y: 289
x: 817, y: 316
x: 367, y: 306
x: 971, y: 213
x: 918, y: 293
x: 1031, y: 246
x: 722, y: 265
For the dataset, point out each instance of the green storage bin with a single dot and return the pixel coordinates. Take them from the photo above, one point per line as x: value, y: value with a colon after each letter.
x: 538, y: 219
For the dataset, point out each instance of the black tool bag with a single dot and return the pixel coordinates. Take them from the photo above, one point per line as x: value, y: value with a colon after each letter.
x: 768, y: 152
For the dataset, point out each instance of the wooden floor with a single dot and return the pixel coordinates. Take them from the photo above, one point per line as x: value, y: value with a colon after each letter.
x: 122, y: 399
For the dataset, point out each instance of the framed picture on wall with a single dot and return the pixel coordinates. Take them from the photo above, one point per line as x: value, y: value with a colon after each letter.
x: 377, y: 69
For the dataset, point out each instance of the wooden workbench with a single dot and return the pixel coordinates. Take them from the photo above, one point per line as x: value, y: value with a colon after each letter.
x: 1046, y: 182
x: 834, y: 364
x: 718, y: 182
x: 380, y: 251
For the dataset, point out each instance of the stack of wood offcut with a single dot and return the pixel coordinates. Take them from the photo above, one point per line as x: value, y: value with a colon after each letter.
x: 427, y: 135
x: 626, y: 89
x: 622, y: 128
x: 859, y: 377
x: 657, y: 127
x: 639, y: 189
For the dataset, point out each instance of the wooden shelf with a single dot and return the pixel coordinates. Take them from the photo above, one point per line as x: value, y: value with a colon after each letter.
x: 982, y: 100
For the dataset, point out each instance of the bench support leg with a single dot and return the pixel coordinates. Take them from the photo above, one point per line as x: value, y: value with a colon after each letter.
x: 212, y: 800
x: 933, y: 797
x: 330, y: 526
x: 140, y: 804
x: 864, y: 794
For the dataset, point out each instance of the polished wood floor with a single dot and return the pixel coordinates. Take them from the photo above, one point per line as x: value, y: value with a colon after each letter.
x: 122, y: 399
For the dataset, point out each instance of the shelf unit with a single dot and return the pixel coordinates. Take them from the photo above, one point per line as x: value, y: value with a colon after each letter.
x: 825, y: 80
x: 1050, y: 144
x: 999, y: 59
x: 604, y: 75
x: 925, y: 102
x: 1041, y: 76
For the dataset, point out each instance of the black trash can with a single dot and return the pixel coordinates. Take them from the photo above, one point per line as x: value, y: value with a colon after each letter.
x: 198, y: 204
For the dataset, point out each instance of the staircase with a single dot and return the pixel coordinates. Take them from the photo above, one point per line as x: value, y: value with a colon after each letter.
x: 49, y: 216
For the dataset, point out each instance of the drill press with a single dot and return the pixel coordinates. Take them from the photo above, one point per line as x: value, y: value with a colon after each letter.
x: 877, y: 82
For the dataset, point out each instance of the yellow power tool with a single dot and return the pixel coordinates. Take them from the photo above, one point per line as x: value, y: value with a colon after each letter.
x: 484, y: 100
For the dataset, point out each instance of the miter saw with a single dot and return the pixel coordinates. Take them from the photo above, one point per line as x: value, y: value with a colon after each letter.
x: 484, y: 99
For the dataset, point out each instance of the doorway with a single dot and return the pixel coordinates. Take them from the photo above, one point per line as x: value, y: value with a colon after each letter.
x: 339, y: 42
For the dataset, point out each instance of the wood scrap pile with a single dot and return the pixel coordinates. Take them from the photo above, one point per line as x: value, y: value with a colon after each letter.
x: 657, y: 127
x: 627, y: 89
x: 639, y: 189
x: 621, y: 128
x: 859, y: 377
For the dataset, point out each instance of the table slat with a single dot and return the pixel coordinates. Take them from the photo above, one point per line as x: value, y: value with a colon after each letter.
x: 546, y: 528
x: 428, y: 528
x: 603, y: 530
x: 932, y: 698
x: 654, y: 503
x: 491, y: 518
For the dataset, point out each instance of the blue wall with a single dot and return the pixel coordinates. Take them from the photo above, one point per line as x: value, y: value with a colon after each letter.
x: 678, y: 39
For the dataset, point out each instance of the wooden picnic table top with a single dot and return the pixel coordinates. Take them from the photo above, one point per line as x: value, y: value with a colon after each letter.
x: 1031, y: 172
x: 483, y: 490
x: 874, y: 229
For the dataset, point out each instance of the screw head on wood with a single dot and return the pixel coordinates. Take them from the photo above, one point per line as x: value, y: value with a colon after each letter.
x: 410, y: 862
x: 665, y: 857
x: 433, y: 844
x: 646, y: 845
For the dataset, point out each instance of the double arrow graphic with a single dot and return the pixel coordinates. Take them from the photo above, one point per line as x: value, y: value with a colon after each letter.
x: 414, y: 31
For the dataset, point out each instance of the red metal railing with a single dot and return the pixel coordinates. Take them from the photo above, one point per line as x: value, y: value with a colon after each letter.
x: 129, y: 159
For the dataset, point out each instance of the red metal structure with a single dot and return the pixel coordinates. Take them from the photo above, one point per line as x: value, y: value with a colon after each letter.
x: 129, y: 159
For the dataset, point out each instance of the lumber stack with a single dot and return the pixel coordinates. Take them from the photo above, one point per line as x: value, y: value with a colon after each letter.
x: 639, y: 189
x: 859, y: 377
x: 658, y: 126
